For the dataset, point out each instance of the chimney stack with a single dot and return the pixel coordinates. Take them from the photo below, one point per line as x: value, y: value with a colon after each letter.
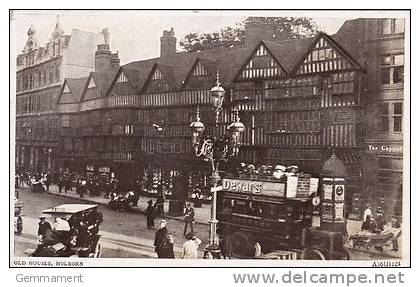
x: 103, y: 55
x: 167, y: 43
x: 115, y: 61
x: 256, y: 31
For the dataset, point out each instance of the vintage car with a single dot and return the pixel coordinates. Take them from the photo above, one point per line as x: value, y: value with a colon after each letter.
x: 82, y: 240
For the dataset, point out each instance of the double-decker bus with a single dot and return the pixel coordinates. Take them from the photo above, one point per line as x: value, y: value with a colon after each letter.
x: 277, y: 215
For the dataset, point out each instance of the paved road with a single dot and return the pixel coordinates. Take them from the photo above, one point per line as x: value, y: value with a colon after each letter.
x: 123, y: 234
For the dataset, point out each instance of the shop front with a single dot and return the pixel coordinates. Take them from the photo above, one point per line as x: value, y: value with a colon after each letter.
x: 383, y: 176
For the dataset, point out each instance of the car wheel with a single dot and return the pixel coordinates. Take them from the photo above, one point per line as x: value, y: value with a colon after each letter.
x: 312, y: 254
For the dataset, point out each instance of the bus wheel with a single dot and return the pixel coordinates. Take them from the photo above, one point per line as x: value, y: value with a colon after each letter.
x: 312, y: 254
x: 242, y: 244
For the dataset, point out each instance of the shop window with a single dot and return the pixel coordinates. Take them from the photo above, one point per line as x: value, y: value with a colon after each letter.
x: 392, y: 69
x: 392, y: 26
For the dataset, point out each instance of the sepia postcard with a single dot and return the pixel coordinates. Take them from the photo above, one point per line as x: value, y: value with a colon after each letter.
x: 209, y: 138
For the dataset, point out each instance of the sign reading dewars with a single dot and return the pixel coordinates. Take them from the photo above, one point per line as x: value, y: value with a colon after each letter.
x: 254, y: 187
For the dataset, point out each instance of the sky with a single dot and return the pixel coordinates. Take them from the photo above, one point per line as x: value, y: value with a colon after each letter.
x: 136, y: 34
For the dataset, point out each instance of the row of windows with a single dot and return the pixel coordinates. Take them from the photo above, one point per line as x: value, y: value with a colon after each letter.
x: 35, y: 80
x: 166, y: 145
x: 293, y: 121
x: 392, y: 26
x: 34, y: 104
x: 51, y: 50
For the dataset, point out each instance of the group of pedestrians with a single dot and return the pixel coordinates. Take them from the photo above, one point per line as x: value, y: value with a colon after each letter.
x: 164, y: 243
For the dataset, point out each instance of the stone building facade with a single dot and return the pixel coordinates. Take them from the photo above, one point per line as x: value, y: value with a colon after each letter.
x: 39, y: 77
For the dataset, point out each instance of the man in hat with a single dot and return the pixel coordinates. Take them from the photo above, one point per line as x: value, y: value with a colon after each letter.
x: 43, y: 226
x: 160, y: 238
x: 150, y: 215
x: 189, y: 218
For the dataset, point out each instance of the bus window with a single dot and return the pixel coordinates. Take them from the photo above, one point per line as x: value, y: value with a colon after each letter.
x: 239, y: 206
x: 269, y: 211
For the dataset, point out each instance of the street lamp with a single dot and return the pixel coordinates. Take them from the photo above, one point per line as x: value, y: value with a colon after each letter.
x: 215, y: 149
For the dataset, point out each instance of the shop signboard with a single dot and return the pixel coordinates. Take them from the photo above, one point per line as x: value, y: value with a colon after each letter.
x: 254, y: 187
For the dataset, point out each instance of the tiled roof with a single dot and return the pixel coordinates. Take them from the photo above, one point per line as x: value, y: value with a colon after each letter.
x: 229, y: 61
x: 76, y: 86
x: 103, y: 81
x: 178, y: 66
x: 289, y: 53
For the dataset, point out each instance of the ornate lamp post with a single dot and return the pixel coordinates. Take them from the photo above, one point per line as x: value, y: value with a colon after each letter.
x: 216, y: 149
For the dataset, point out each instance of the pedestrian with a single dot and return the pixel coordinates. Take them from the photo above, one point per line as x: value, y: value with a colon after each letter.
x: 43, y: 226
x: 67, y: 186
x: 159, y: 204
x: 366, y: 224
x: 380, y: 222
x: 167, y: 249
x: 16, y: 180
x: 395, y: 224
x: 48, y: 180
x: 367, y: 212
x: 189, y: 218
x: 107, y: 188
x: 258, y: 250
x: 60, y: 184
x: 226, y: 244
x: 150, y: 215
x: 160, y: 238
x: 82, y: 188
x: 190, y: 247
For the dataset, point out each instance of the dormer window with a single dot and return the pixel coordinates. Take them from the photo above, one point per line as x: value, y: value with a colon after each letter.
x: 122, y: 78
x: 261, y: 51
x: 200, y: 70
x: 157, y: 75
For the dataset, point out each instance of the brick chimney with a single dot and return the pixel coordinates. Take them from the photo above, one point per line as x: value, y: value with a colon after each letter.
x: 256, y: 31
x: 115, y: 61
x: 167, y: 43
x: 103, y: 55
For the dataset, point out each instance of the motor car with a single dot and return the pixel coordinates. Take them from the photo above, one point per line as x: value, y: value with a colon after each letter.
x: 82, y: 240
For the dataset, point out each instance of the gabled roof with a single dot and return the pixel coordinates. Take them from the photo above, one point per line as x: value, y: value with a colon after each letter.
x: 289, y: 53
x: 229, y: 61
x: 209, y: 64
x: 76, y: 86
x: 102, y: 81
x: 178, y: 66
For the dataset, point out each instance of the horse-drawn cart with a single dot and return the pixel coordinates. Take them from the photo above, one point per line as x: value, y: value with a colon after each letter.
x: 378, y: 241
